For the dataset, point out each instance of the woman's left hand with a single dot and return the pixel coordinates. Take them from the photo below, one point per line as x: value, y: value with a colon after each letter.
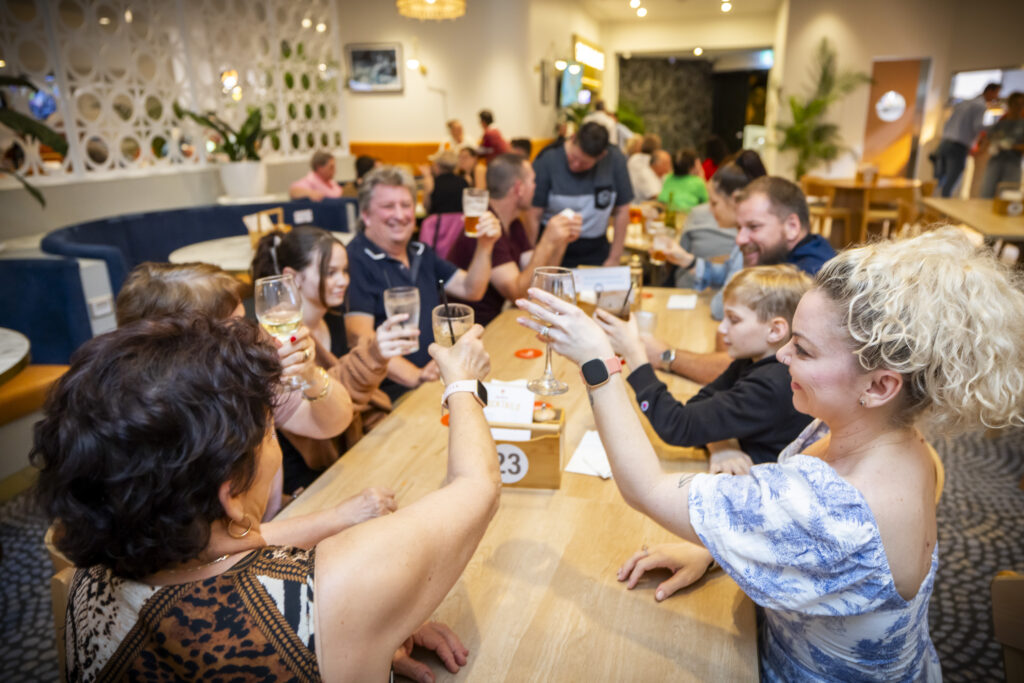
x: 395, y: 339
x: 624, y: 336
x: 297, y: 354
x: 564, y: 326
x: 434, y: 636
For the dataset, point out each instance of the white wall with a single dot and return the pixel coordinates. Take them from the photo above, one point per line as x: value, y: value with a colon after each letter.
x: 955, y: 35
x: 720, y: 33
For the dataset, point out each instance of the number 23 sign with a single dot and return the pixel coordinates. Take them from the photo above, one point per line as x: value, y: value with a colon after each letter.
x: 512, y: 462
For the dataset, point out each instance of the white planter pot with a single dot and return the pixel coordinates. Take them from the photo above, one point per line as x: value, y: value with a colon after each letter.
x: 243, y: 179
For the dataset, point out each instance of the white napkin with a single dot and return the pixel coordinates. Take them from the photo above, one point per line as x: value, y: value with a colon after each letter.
x: 590, y: 458
x: 682, y: 302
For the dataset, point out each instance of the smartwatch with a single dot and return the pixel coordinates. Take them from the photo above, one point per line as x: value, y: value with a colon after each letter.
x: 473, y: 386
x: 667, y: 357
x: 599, y: 370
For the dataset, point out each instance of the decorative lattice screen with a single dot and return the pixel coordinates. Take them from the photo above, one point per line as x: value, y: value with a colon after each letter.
x: 109, y: 72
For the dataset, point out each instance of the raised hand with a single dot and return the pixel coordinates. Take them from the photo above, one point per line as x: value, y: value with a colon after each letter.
x: 394, y: 339
x: 466, y: 360
x: 564, y: 326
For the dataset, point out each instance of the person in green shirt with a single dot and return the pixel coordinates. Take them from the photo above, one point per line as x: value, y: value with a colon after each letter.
x: 684, y: 188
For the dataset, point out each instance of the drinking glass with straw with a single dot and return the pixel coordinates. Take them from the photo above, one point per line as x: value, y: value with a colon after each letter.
x: 450, y: 321
x: 557, y: 281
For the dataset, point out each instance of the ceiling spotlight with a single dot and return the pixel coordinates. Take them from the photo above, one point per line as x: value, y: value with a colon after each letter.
x: 321, y: 27
x: 322, y: 67
x: 574, y: 69
x: 229, y: 79
x: 307, y: 22
x: 128, y: 16
x: 726, y: 6
x: 104, y: 21
x: 3, y: 63
x: 634, y: 3
x: 698, y: 51
x: 412, y: 63
x: 560, y: 64
x: 642, y: 12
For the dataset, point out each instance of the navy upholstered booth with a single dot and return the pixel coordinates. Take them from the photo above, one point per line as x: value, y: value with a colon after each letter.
x: 49, y: 307
x: 125, y: 241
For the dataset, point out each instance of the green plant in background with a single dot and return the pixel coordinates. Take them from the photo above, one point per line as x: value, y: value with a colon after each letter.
x: 239, y: 145
x: 812, y: 138
x: 27, y: 127
x: 576, y: 113
x: 630, y: 117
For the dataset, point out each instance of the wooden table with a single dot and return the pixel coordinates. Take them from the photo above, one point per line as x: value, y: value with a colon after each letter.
x: 232, y: 254
x: 851, y: 194
x: 978, y: 214
x: 539, y: 600
x: 14, y: 353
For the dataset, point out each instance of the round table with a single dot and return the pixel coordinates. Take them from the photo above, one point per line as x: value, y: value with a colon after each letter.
x: 14, y: 353
x: 233, y: 254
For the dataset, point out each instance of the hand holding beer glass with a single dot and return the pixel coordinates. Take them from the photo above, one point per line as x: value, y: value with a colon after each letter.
x: 474, y: 205
x: 662, y: 239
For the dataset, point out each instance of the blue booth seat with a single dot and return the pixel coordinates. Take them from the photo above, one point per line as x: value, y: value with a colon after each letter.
x: 124, y: 242
x: 49, y: 307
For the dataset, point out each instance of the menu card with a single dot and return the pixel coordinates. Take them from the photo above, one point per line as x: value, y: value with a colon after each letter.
x: 614, y: 279
x: 509, y: 402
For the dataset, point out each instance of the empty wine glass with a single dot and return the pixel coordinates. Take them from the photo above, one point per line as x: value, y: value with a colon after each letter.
x: 557, y: 281
x: 279, y: 310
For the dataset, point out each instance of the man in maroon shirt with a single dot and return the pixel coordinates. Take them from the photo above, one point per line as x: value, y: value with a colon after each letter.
x: 492, y: 144
x: 510, y: 182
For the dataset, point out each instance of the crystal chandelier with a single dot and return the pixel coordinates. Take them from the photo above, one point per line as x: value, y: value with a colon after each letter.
x: 431, y: 9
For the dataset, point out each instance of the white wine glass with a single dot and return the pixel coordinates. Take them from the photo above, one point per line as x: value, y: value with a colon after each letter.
x: 279, y: 310
x: 557, y: 281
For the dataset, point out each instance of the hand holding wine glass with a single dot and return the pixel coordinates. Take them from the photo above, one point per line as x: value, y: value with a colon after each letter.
x: 569, y: 331
x: 279, y: 310
x: 558, y: 283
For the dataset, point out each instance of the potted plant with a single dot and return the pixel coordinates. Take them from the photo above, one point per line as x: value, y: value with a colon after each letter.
x: 28, y: 127
x: 812, y: 138
x: 244, y: 175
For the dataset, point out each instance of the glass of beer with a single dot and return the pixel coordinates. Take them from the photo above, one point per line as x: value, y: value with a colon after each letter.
x: 398, y: 300
x: 450, y: 322
x: 474, y: 205
x: 279, y: 309
x: 661, y: 242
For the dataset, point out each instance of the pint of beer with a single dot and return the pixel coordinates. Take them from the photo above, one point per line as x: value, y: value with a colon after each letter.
x: 474, y: 205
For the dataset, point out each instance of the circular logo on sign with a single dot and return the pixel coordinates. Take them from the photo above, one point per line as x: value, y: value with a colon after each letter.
x: 512, y: 463
x: 890, y: 106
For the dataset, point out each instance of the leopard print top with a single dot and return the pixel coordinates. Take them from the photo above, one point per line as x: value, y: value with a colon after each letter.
x: 253, y: 622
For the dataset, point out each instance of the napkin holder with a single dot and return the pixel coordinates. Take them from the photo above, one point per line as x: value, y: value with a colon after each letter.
x: 537, y: 462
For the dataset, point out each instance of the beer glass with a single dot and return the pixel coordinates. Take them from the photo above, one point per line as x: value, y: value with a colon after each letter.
x: 474, y: 205
x: 406, y: 300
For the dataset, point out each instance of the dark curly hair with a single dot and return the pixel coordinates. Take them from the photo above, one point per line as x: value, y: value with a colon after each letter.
x: 141, y: 432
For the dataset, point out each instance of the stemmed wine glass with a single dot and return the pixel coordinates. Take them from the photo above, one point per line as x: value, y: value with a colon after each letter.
x: 279, y: 310
x: 557, y: 281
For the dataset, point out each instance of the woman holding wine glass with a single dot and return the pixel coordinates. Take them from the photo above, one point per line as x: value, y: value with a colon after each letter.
x: 559, y: 282
x: 318, y: 264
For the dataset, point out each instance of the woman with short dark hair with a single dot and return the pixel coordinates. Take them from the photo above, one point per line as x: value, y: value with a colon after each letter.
x: 156, y: 457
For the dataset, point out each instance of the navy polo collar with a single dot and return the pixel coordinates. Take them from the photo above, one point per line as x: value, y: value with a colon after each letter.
x: 415, y: 248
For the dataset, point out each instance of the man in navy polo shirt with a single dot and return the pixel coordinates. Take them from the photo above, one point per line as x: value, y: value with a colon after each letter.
x: 589, y: 176
x: 384, y: 255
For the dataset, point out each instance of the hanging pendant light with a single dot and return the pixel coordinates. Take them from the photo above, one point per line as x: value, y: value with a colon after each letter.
x: 431, y: 9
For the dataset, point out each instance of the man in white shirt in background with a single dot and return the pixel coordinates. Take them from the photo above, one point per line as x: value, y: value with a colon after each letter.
x: 599, y: 115
x: 648, y: 168
x: 958, y: 135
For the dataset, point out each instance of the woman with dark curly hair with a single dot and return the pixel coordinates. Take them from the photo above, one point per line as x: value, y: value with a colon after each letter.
x: 157, y: 454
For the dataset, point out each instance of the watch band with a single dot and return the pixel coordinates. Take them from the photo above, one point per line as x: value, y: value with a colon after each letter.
x: 468, y: 385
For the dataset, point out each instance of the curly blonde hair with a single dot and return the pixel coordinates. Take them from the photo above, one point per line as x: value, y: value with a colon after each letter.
x: 946, y: 315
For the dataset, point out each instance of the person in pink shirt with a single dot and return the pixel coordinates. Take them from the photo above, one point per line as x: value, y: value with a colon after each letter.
x: 319, y: 182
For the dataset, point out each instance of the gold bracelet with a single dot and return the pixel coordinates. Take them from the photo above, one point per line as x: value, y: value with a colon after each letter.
x: 323, y: 392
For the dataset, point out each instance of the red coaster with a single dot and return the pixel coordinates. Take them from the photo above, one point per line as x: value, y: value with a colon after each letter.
x: 529, y: 353
x: 444, y: 419
x: 648, y: 295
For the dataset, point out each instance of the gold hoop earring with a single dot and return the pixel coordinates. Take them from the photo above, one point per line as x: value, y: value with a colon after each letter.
x: 245, y: 533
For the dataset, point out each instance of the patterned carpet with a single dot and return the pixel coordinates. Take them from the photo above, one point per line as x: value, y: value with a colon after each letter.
x: 979, y: 534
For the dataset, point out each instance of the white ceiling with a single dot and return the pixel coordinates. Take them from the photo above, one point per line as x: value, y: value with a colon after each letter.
x: 661, y: 10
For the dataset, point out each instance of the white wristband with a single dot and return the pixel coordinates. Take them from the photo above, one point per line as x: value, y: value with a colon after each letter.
x: 469, y: 385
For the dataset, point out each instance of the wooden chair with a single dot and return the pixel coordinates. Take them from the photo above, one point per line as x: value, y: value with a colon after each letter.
x: 262, y: 222
x: 821, y: 205
x: 60, y: 587
x: 1008, y: 620
x: 881, y: 205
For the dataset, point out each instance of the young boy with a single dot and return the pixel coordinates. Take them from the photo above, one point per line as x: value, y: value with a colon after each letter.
x: 746, y: 415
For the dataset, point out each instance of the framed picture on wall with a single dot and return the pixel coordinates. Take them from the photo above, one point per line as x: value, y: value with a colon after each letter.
x: 374, y: 67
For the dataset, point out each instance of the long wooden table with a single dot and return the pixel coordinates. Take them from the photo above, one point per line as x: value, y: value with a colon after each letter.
x: 539, y: 600
x: 978, y: 214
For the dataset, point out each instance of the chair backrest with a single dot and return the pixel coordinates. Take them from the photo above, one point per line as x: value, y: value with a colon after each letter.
x: 815, y: 187
x: 440, y: 231
x: 60, y: 589
x: 889, y: 195
x: 1008, y: 620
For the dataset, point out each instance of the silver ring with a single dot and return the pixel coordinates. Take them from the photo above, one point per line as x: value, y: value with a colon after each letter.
x: 546, y: 332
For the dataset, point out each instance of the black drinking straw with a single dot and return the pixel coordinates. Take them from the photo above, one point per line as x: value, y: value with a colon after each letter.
x: 625, y: 304
x: 447, y: 310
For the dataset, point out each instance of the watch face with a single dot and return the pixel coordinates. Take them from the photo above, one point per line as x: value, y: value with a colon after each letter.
x: 594, y: 372
x: 481, y: 391
x: 668, y: 355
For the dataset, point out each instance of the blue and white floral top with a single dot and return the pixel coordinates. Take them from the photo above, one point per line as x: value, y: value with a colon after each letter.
x: 803, y: 544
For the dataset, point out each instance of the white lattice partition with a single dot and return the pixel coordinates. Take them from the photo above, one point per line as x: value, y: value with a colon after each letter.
x: 115, y: 68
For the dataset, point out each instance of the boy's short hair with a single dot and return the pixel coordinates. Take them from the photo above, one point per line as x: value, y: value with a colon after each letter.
x: 769, y: 291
